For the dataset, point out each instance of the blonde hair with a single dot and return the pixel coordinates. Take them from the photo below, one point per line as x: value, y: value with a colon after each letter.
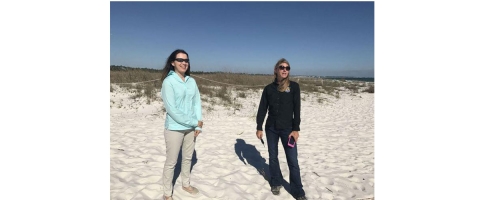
x: 283, y: 85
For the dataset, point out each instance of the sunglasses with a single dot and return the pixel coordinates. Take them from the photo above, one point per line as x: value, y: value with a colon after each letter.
x: 181, y: 60
x: 282, y: 68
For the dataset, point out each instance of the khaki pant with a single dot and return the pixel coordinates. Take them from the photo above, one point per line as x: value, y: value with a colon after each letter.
x: 174, y: 139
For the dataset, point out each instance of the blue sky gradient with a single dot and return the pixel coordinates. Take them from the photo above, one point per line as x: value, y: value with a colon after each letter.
x: 317, y: 38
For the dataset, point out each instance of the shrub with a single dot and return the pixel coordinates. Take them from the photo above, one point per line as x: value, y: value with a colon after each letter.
x: 242, y: 95
x: 370, y: 89
x: 224, y: 95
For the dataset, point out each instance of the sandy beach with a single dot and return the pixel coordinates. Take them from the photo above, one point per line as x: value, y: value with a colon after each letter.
x: 336, y: 150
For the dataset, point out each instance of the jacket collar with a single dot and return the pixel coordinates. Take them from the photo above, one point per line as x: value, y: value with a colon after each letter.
x: 275, y: 81
x: 177, y: 77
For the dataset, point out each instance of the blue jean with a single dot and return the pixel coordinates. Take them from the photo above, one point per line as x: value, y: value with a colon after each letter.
x: 273, y: 136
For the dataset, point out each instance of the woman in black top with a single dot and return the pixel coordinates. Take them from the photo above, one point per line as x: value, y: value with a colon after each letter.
x: 282, y: 100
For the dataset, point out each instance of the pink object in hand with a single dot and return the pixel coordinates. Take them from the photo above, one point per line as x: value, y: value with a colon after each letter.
x: 291, y: 142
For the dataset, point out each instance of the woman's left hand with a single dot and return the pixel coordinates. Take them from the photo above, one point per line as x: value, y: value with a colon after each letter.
x: 197, y: 132
x: 295, y: 135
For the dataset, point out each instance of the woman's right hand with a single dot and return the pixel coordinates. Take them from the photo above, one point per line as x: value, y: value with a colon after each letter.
x: 259, y: 134
x: 200, y: 124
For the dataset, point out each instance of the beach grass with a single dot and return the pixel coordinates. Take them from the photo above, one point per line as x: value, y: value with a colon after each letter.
x: 226, y: 86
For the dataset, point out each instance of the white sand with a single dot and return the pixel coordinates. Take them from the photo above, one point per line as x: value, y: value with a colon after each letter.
x: 336, y: 150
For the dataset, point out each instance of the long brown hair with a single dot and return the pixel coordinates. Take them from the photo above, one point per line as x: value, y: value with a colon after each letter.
x: 283, y: 85
x: 168, y: 65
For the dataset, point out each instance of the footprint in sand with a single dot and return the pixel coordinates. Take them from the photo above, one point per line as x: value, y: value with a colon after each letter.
x: 357, y: 179
x: 151, y: 193
x: 124, y: 176
x: 326, y: 181
x: 345, y: 183
x: 149, y: 179
x: 360, y: 187
x: 371, y: 181
x: 325, y: 195
x: 337, y: 188
x: 346, y: 175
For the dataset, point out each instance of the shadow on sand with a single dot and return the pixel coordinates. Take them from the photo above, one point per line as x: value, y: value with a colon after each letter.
x: 250, y: 154
x: 178, y: 166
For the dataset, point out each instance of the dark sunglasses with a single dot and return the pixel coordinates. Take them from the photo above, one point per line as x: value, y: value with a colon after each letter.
x: 282, y: 68
x: 181, y: 60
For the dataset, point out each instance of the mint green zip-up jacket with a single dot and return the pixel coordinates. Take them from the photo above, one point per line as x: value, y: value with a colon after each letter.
x: 182, y: 102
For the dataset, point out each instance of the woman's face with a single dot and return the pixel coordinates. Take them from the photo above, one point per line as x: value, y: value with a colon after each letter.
x: 282, y: 71
x: 181, y: 63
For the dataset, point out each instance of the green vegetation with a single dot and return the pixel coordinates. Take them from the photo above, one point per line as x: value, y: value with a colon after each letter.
x: 223, y: 88
x: 370, y: 89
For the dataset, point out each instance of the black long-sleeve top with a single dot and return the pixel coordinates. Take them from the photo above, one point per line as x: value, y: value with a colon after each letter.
x: 283, y: 107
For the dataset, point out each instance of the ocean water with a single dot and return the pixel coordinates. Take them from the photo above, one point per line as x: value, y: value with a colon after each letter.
x: 351, y: 79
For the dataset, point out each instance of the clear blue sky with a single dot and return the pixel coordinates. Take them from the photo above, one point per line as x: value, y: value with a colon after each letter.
x: 317, y: 38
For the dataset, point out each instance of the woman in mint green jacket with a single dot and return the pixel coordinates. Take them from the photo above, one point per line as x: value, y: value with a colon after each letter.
x: 183, y: 122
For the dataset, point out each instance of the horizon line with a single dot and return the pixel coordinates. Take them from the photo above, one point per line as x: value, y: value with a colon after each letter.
x: 336, y: 76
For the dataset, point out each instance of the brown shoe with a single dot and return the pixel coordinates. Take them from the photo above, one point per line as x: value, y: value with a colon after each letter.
x: 191, y: 190
x: 167, y: 198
